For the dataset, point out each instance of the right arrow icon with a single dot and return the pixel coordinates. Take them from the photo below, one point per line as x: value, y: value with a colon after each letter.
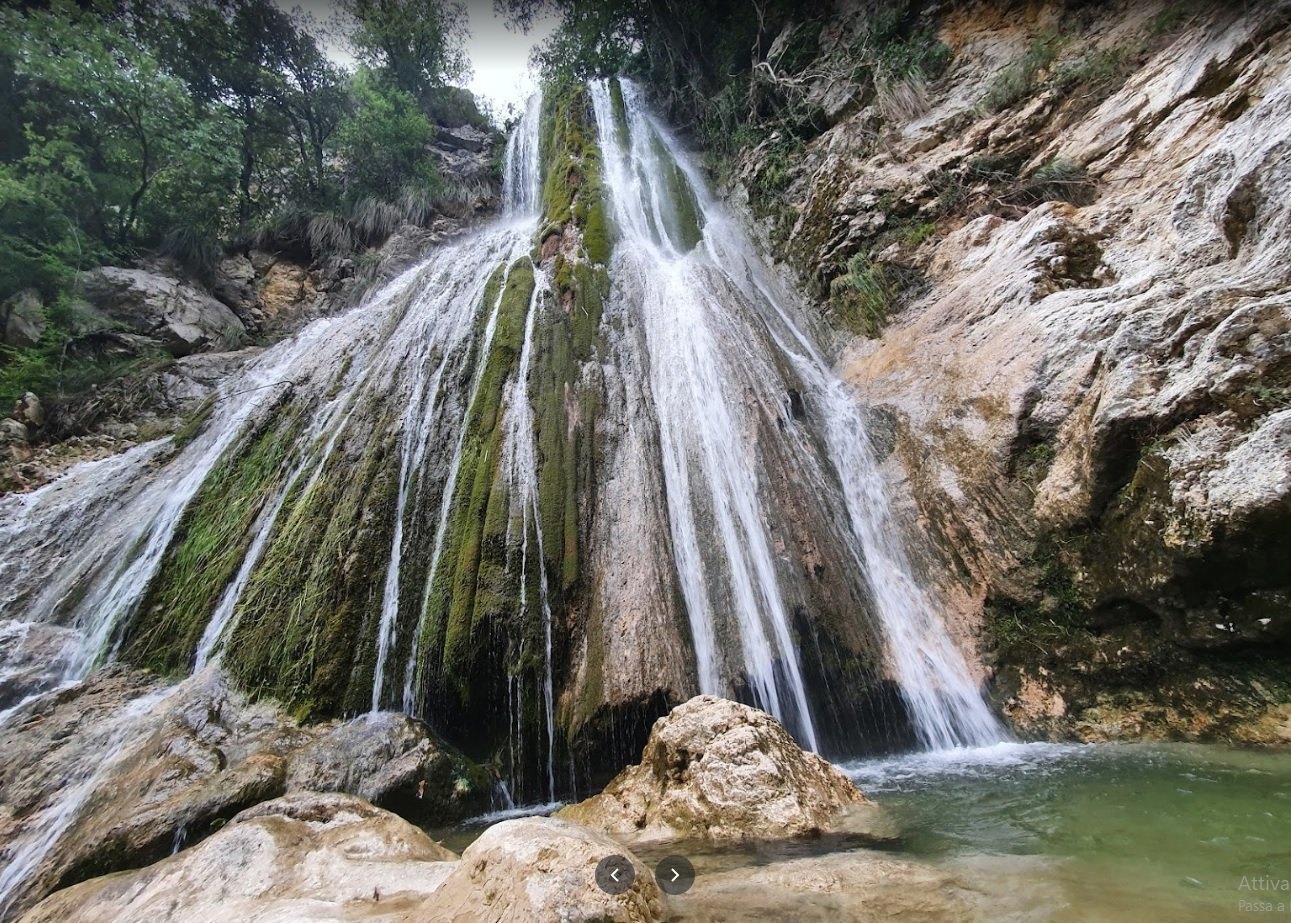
x: 674, y: 874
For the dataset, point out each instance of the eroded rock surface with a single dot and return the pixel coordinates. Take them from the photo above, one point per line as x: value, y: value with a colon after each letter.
x: 539, y: 868
x: 715, y: 769
x: 118, y: 772
x: 180, y: 317
x: 1082, y: 375
x: 303, y: 857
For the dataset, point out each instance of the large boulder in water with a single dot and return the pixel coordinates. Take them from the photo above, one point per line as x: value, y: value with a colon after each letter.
x: 715, y: 769
x: 183, y: 319
x: 538, y: 868
x: 304, y: 857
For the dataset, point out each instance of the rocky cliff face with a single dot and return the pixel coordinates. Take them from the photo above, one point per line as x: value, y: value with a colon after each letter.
x: 1068, y: 257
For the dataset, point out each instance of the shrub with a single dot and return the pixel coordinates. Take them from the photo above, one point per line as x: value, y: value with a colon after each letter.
x: 1059, y: 180
x: 862, y: 296
x: 195, y: 249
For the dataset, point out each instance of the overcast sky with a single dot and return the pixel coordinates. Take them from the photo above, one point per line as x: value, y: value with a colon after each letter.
x: 499, y: 56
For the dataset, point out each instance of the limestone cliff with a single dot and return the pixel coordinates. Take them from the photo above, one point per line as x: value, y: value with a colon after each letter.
x: 1060, y: 235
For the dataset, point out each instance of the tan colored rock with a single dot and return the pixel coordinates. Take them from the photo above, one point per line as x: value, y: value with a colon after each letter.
x: 540, y: 869
x: 305, y: 857
x: 284, y: 288
x: 715, y: 769
x: 862, y: 886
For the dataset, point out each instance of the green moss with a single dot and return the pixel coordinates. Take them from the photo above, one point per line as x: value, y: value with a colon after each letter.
x: 210, y: 544
x: 590, y: 291
x: 862, y: 296
x: 307, y: 622
x: 477, y: 518
x: 572, y: 187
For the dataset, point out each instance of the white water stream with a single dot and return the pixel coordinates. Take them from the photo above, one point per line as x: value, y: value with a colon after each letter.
x: 709, y: 305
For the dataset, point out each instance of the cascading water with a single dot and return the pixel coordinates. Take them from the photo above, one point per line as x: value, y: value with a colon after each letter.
x: 709, y: 309
x: 113, y: 739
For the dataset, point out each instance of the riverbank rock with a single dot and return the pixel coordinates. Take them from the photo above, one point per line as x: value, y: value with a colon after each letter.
x: 715, y: 769
x: 307, y: 856
x: 150, y: 769
x: 862, y: 886
x: 180, y: 317
x: 538, y: 868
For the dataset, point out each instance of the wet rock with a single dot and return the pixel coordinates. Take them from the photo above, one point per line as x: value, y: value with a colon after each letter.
x: 303, y: 857
x: 182, y: 318
x: 539, y: 868
x: 32, y: 657
x: 392, y: 760
x: 715, y: 769
x: 22, y: 319
x: 177, y: 771
x: 870, y: 887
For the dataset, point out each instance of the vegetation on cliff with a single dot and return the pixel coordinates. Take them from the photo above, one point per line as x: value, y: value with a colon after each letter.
x: 184, y: 129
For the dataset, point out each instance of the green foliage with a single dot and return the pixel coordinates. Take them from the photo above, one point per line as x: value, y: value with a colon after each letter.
x: 1057, y: 179
x: 417, y: 44
x: 861, y: 296
x: 1097, y: 74
x: 384, y: 140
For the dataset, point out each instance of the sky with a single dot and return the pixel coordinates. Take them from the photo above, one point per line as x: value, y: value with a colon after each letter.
x: 501, y: 75
x: 500, y: 57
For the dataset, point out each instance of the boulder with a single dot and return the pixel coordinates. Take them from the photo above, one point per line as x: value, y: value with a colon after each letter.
x: 539, y: 868
x: 28, y: 409
x: 156, y: 769
x: 392, y: 760
x: 303, y: 857
x: 180, y: 317
x: 235, y: 286
x: 22, y: 319
x: 715, y: 769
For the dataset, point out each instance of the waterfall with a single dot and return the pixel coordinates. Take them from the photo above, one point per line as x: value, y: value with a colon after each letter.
x: 690, y: 258
x: 520, y: 467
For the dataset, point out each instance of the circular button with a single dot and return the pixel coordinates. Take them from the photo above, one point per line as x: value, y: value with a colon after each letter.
x: 615, y: 874
x: 674, y: 874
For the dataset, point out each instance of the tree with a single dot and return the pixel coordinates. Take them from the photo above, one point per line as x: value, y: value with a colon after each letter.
x: 311, y: 95
x: 104, y: 122
x: 417, y: 44
x: 384, y: 141
x: 232, y: 53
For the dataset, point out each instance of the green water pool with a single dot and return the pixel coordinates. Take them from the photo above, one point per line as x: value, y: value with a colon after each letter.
x: 1134, y: 832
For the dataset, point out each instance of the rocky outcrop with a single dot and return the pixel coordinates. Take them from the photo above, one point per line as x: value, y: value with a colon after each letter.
x: 145, y: 770
x: 538, y: 868
x: 22, y: 319
x: 714, y: 769
x: 179, y: 317
x: 303, y: 857
x: 1082, y: 370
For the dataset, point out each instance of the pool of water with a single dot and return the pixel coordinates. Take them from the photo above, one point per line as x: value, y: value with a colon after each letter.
x: 1109, y: 832
x: 1167, y: 829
